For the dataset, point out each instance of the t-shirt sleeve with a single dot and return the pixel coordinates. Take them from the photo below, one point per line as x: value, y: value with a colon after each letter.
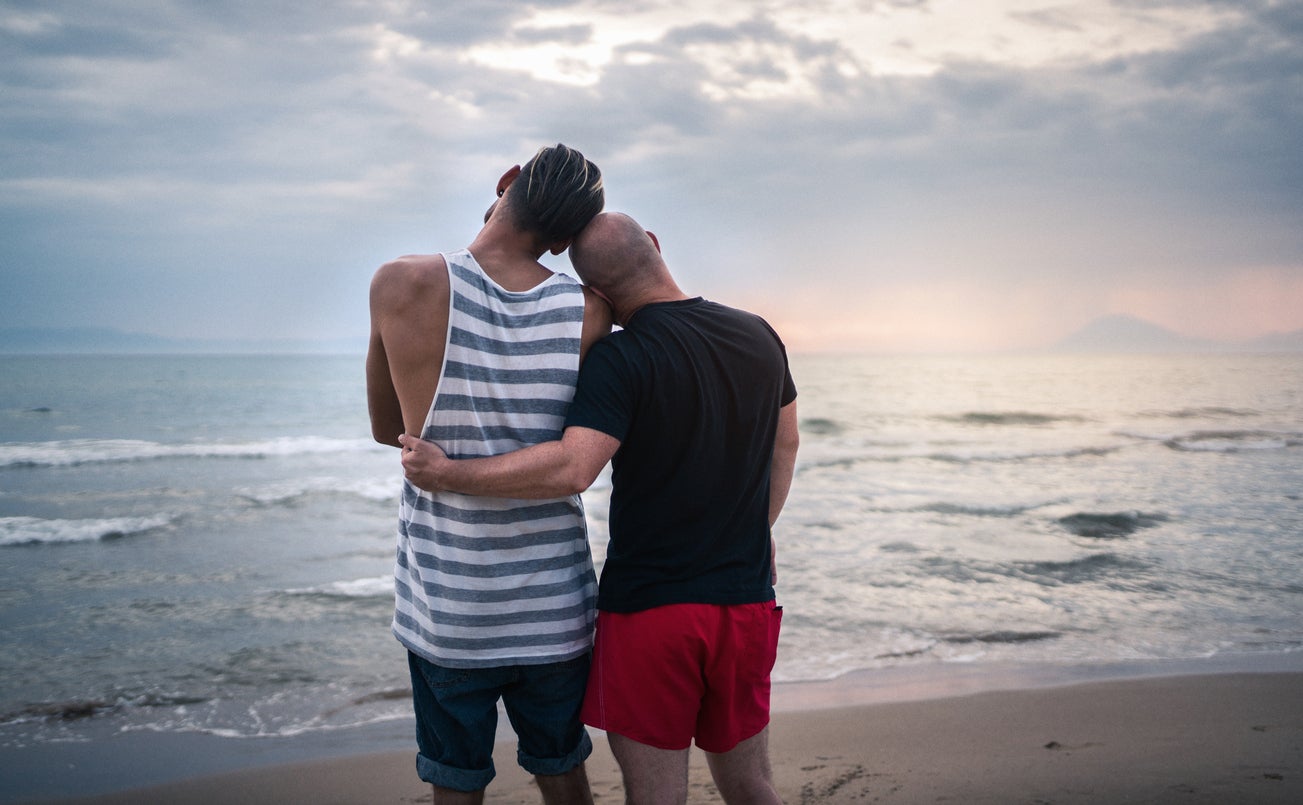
x: 604, y: 395
x: 789, y: 385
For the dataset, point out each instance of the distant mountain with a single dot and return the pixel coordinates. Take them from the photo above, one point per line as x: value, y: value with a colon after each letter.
x: 1278, y: 342
x: 108, y: 341
x: 1128, y: 334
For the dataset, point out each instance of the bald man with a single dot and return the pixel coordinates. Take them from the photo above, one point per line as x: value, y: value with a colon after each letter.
x: 694, y: 404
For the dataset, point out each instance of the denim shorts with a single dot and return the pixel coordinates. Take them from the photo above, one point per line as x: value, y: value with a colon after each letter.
x: 457, y: 719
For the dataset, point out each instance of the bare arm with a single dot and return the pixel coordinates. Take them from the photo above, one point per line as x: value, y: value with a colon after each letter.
x: 381, y: 397
x: 540, y: 472
x: 409, y: 320
x: 787, y: 440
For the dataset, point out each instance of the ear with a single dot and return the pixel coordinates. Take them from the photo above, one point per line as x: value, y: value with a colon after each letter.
x: 507, y: 179
x: 654, y: 241
x: 561, y: 245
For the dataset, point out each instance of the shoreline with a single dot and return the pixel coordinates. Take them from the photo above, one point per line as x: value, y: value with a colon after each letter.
x: 904, y: 683
x: 1054, y: 732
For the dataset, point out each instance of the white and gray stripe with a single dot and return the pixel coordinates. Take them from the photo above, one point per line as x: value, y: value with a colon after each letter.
x: 485, y: 581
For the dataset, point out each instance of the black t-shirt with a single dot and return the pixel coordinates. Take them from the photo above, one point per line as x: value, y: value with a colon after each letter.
x: 692, y: 390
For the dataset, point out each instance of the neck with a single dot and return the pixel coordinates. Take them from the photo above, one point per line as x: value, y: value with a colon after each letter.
x: 623, y: 309
x: 495, y: 240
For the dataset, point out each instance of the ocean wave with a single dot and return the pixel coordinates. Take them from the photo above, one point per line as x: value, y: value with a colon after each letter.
x: 35, y: 530
x: 376, y: 489
x: 1113, y: 525
x: 178, y: 713
x: 1094, y: 567
x: 903, y: 654
x: 389, y: 695
x: 81, y: 709
x: 1233, y: 441
x: 819, y: 426
x: 971, y: 511
x: 77, y: 452
x: 1204, y: 412
x: 1009, y: 418
x: 371, y: 587
x: 844, y: 461
x: 1004, y: 636
x: 290, y: 727
x: 984, y: 456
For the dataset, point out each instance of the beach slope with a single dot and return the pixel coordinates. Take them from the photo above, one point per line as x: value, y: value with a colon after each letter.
x: 1180, y: 739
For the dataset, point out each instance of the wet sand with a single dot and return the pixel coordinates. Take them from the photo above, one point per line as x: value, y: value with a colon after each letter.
x: 1220, y: 738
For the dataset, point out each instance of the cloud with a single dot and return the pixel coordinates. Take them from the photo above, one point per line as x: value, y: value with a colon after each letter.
x: 215, y: 156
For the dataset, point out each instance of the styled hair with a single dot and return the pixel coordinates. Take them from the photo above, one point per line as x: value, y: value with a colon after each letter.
x: 557, y: 193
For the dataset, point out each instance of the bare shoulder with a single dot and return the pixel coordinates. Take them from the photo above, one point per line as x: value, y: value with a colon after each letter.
x: 408, y: 278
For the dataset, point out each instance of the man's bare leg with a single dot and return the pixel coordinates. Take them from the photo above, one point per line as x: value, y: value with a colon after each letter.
x: 651, y: 776
x: 743, y: 774
x: 570, y: 788
x: 449, y: 796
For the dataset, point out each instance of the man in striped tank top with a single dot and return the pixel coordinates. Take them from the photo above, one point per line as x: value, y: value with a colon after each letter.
x: 478, y: 351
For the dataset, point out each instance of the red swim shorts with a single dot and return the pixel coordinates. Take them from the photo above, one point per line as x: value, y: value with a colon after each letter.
x: 667, y: 675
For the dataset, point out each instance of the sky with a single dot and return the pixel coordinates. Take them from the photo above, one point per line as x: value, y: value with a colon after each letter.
x: 874, y: 175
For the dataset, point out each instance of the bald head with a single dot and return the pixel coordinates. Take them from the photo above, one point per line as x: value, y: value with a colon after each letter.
x: 617, y: 257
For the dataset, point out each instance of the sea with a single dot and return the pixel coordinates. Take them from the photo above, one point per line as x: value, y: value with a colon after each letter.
x: 203, y: 545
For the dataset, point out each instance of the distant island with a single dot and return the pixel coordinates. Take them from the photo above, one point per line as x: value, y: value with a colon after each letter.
x: 109, y: 341
x: 1128, y: 335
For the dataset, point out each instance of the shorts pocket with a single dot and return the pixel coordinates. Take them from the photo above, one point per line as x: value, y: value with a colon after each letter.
x: 775, y: 628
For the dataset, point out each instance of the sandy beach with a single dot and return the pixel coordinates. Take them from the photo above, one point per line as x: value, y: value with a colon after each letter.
x: 1223, y: 738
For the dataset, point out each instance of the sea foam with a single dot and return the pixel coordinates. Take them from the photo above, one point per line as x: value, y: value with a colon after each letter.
x: 76, y: 452
x: 372, y: 587
x: 376, y: 489
x: 35, y: 530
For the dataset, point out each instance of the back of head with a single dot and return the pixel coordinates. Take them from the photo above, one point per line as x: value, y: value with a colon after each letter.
x: 616, y: 255
x: 557, y: 193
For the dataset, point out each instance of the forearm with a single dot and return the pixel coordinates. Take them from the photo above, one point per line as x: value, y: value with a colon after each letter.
x: 534, y: 473
x: 540, y: 472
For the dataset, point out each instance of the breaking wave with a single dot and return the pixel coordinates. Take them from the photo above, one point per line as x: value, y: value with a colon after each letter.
x: 80, y: 709
x: 289, y: 492
x: 78, y: 452
x: 372, y: 587
x: 35, y: 530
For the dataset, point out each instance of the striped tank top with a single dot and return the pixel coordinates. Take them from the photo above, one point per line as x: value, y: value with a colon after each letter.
x: 480, y: 581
